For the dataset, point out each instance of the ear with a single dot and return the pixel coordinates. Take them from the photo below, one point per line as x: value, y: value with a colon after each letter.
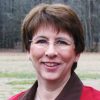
x: 77, y: 57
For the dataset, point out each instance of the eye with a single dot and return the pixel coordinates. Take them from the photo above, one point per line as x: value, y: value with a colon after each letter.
x: 41, y: 41
x: 61, y: 42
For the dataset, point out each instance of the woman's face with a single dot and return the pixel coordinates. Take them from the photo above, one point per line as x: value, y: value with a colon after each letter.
x: 52, y: 54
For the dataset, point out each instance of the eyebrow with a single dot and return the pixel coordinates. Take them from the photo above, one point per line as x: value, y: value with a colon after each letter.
x: 65, y: 39
x: 41, y: 37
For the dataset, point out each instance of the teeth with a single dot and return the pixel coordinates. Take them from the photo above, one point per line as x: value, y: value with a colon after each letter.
x: 51, y: 64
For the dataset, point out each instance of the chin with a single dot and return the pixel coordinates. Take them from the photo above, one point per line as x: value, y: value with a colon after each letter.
x: 50, y: 77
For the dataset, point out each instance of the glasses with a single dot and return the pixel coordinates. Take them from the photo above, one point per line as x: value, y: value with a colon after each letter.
x: 58, y: 44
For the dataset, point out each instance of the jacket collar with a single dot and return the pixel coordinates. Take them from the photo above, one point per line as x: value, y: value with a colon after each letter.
x: 71, y: 91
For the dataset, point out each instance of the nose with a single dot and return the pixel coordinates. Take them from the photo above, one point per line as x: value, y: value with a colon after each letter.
x: 51, y: 51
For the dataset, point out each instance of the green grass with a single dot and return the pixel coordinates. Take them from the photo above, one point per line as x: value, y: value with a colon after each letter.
x: 21, y: 82
x: 25, y: 75
x: 88, y: 75
x: 16, y: 75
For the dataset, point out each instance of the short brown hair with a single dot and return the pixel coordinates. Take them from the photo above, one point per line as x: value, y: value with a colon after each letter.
x: 60, y: 16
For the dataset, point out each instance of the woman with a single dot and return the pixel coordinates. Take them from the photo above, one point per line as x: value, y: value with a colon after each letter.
x: 54, y: 39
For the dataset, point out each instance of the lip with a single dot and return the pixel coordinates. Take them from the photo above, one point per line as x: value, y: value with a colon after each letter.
x: 51, y: 66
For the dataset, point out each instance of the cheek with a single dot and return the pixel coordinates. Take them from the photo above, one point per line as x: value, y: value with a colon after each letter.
x: 68, y: 55
x: 36, y: 53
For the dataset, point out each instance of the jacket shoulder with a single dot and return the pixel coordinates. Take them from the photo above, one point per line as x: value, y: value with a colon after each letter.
x: 89, y: 93
x: 17, y: 96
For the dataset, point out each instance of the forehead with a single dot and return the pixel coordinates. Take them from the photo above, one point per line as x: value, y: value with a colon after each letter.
x: 51, y: 28
x: 51, y: 32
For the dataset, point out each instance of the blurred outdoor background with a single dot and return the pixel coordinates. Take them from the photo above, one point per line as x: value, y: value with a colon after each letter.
x: 16, y: 71
x: 12, y: 13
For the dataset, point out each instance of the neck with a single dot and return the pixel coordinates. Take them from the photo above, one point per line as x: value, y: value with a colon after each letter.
x: 49, y: 90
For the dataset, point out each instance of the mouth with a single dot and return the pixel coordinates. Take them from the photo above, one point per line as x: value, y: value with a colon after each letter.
x: 51, y: 64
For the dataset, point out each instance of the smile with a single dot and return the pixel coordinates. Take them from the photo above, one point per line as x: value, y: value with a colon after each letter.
x: 51, y: 64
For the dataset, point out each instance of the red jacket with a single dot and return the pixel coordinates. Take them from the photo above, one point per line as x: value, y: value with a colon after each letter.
x: 73, y: 90
x: 88, y: 93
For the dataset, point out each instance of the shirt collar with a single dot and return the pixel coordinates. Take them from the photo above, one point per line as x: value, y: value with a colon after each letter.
x: 72, y: 90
